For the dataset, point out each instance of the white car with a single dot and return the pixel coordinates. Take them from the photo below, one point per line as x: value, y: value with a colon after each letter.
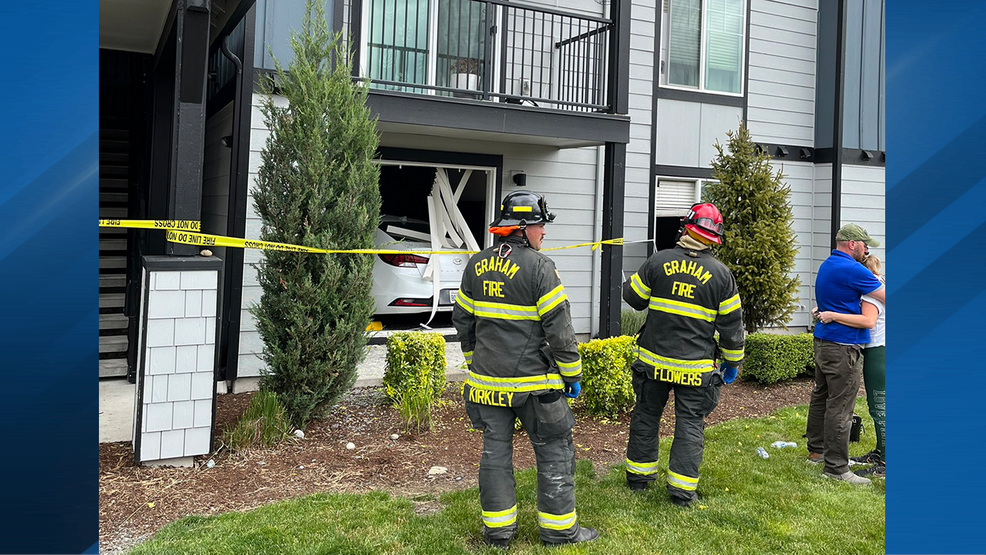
x: 399, y: 285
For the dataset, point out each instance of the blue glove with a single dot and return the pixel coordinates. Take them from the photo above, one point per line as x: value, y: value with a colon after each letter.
x: 572, y: 389
x: 728, y: 373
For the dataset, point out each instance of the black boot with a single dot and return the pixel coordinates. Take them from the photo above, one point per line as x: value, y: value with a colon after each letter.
x: 585, y: 534
x: 637, y: 486
x: 502, y: 543
x: 681, y: 501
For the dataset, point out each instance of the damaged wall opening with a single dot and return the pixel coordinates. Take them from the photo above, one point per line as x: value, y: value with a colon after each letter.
x: 429, y: 207
x: 404, y: 190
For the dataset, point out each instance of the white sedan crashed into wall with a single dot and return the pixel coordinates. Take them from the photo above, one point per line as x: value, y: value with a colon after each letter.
x: 401, y: 282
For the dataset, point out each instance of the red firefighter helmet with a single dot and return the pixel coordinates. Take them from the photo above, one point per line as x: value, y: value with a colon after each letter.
x: 705, y: 221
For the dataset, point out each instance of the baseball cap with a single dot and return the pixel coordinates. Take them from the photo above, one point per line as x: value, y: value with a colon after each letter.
x: 853, y: 232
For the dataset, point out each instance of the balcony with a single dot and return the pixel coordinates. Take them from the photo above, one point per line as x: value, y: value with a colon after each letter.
x: 488, y: 69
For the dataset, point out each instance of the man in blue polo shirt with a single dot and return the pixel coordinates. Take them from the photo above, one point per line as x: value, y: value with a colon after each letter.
x: 840, y: 283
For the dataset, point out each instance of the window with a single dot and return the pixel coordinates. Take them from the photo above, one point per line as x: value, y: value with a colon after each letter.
x: 427, y: 42
x: 702, y: 47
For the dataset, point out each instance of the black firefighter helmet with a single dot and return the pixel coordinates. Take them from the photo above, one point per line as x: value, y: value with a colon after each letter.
x: 521, y: 209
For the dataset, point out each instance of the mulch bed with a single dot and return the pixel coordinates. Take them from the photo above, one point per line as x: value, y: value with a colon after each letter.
x: 136, y: 501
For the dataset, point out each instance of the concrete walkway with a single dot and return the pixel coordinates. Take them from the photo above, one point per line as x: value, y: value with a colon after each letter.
x: 116, y: 396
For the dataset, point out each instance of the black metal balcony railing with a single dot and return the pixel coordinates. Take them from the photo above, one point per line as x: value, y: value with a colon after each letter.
x: 485, y: 49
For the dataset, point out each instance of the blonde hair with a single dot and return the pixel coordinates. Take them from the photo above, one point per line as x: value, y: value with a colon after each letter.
x: 872, y: 264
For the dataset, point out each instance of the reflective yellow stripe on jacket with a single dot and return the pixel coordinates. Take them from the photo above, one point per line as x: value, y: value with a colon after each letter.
x: 730, y: 304
x: 638, y: 287
x: 682, y: 309
x: 678, y: 365
x: 550, y: 300
x: 569, y: 369
x: 465, y: 302
x: 515, y: 385
x: 732, y: 355
x: 501, y: 311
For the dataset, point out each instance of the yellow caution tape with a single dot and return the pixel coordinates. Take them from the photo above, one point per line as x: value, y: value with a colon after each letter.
x: 185, y: 232
x: 153, y: 224
x: 595, y: 244
x: 206, y: 240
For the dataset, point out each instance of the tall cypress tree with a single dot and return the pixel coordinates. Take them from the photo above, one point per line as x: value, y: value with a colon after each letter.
x: 317, y: 187
x: 759, y: 245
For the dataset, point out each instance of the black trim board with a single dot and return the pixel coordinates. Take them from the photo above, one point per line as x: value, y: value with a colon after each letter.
x: 677, y: 171
x: 840, y: 105
x: 490, y: 117
x: 703, y: 97
x: 746, y: 66
x: 795, y: 153
x: 160, y: 263
x: 139, y: 371
x: 852, y: 157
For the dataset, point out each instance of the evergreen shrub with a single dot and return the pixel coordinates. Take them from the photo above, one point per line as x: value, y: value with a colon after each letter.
x: 317, y: 186
x: 759, y: 244
x: 772, y: 358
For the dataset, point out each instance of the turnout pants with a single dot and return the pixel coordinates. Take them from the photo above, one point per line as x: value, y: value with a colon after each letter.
x: 691, y: 405
x: 838, y: 371
x: 548, y: 421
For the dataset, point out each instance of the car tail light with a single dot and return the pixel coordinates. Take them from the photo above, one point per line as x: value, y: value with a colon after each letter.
x: 411, y: 302
x: 403, y: 260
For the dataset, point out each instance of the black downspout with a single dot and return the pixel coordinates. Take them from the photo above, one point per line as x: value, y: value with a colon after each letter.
x: 840, y: 100
x: 236, y: 224
x: 234, y: 156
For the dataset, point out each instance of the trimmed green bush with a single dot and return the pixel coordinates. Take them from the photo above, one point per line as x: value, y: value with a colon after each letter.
x: 263, y: 424
x: 631, y: 321
x: 607, y: 381
x: 414, y: 378
x: 771, y: 358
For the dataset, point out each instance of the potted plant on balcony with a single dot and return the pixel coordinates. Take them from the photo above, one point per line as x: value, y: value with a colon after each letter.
x: 464, y: 74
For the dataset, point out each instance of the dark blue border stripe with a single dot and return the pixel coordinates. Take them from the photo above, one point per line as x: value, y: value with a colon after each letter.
x: 49, y: 114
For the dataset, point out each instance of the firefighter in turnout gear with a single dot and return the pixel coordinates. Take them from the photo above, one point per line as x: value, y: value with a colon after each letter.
x: 514, y: 321
x: 689, y: 296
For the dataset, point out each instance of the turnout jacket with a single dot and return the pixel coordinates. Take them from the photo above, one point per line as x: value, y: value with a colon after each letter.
x: 514, y: 322
x: 689, y: 295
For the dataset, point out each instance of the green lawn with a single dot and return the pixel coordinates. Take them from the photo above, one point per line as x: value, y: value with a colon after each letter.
x: 748, y: 505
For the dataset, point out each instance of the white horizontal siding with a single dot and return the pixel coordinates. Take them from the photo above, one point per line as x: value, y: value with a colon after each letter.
x: 781, y: 86
x: 800, y: 178
x: 864, y: 203
x: 249, y: 364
